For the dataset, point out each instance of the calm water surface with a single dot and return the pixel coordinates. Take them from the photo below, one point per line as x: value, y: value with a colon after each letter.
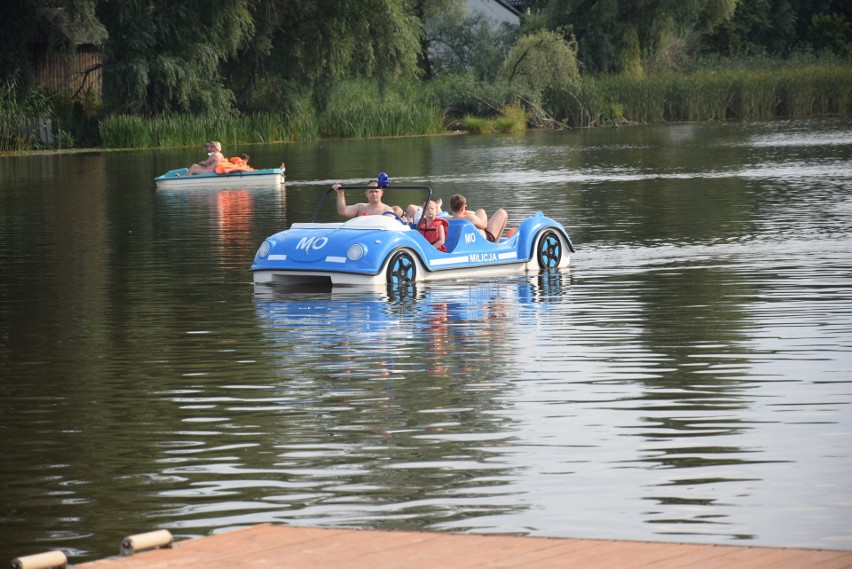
x: 688, y: 379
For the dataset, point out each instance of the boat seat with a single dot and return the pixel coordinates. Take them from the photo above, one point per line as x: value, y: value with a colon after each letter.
x: 454, y: 232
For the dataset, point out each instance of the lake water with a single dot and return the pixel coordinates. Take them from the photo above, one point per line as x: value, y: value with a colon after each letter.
x: 689, y: 378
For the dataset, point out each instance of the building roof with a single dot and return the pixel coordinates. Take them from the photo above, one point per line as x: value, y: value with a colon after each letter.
x: 496, y: 10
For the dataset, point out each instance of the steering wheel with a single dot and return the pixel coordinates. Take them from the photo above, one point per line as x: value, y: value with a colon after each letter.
x: 398, y: 218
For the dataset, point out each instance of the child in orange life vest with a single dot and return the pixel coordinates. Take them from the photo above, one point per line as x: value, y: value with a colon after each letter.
x: 242, y: 162
x: 432, y: 227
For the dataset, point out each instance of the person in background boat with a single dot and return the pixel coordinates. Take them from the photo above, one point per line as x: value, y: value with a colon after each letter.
x: 374, y: 205
x: 492, y: 228
x: 433, y: 228
x: 234, y: 164
x: 242, y: 160
x: 214, y: 155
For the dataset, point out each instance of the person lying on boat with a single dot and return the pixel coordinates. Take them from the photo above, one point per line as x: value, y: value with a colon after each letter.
x: 214, y: 155
x: 433, y: 228
x: 234, y: 164
x: 492, y: 228
x: 374, y: 205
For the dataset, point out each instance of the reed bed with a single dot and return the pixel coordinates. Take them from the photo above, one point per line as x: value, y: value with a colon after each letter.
x: 362, y: 109
x: 810, y: 90
x: 511, y: 120
x: 16, y: 132
x: 132, y: 131
x: 476, y: 125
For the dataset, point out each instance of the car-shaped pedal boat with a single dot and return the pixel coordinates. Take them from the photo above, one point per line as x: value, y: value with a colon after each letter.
x: 386, y: 250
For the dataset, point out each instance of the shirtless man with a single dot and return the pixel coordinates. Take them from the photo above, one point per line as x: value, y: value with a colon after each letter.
x: 374, y: 205
x: 492, y: 228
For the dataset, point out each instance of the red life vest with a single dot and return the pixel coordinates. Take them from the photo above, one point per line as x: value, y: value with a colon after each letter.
x: 431, y: 232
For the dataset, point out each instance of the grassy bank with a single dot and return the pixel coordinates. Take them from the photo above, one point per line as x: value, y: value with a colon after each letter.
x: 361, y: 109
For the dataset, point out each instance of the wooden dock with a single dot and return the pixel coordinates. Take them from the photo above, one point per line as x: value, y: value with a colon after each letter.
x: 299, y: 547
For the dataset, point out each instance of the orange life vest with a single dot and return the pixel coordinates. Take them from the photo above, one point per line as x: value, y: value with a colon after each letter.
x: 431, y: 232
x: 235, y: 164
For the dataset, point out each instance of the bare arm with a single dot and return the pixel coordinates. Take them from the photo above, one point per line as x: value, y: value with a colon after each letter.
x: 344, y: 210
x: 476, y: 220
x: 212, y: 160
x: 442, y: 236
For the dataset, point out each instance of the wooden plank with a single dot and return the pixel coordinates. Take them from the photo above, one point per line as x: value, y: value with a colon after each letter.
x: 347, y: 548
x: 450, y: 550
x: 319, y: 548
x: 622, y: 554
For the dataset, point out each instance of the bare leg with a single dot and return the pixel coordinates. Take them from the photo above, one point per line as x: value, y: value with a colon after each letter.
x: 497, y: 223
x: 411, y: 213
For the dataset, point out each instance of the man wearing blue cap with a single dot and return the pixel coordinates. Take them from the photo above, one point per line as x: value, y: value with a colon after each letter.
x: 374, y: 205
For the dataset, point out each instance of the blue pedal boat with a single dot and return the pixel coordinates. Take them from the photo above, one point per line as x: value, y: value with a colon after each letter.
x: 386, y: 250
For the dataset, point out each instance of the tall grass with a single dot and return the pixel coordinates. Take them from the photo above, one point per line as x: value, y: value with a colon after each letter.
x: 15, y: 132
x: 364, y: 109
x: 23, y: 120
x: 132, y: 131
x: 512, y: 120
x: 707, y: 94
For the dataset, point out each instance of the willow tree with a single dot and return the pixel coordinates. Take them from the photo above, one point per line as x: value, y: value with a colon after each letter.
x: 540, y: 60
x: 307, y: 46
x: 166, y: 56
x: 459, y: 40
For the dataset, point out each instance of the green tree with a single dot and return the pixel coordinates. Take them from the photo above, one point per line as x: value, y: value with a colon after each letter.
x: 758, y: 27
x: 458, y: 41
x: 305, y: 46
x: 779, y: 28
x: 617, y: 36
x: 427, y: 11
x: 832, y: 32
x: 540, y: 60
x: 165, y: 56
x: 15, y: 33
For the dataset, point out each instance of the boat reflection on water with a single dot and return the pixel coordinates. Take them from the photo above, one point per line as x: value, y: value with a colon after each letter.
x: 230, y: 215
x: 442, y: 330
x: 395, y: 409
x: 234, y: 223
